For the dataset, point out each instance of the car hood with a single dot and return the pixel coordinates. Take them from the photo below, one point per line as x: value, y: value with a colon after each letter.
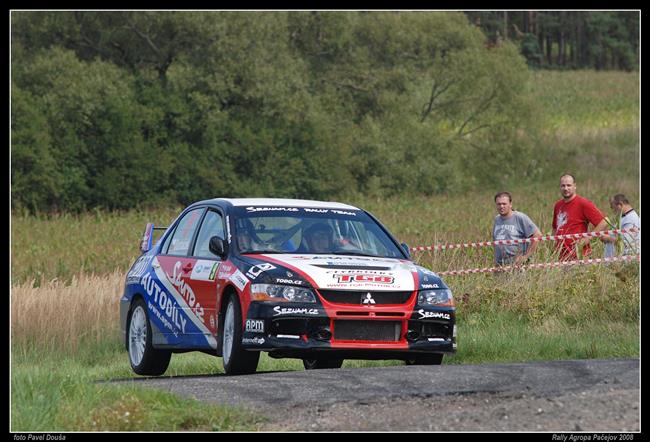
x: 346, y: 272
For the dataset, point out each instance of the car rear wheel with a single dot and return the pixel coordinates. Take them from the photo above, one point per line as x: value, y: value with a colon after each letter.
x: 236, y: 360
x: 315, y: 364
x: 144, y: 358
x: 430, y: 359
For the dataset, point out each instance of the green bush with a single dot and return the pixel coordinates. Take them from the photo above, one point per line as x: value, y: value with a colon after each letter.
x: 118, y: 109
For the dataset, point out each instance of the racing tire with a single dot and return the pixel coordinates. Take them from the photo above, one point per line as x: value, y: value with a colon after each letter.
x: 144, y: 358
x: 236, y: 360
x: 316, y: 364
x: 429, y: 359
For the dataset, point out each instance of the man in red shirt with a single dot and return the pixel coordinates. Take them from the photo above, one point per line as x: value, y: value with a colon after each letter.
x: 573, y: 214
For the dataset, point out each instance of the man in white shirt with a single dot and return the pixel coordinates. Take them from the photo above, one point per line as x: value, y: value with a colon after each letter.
x: 629, y: 219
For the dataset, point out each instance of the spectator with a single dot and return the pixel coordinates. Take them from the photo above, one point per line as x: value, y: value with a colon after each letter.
x: 628, y: 219
x: 573, y: 214
x: 511, y: 224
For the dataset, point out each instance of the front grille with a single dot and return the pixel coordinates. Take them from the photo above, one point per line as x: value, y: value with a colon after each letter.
x: 358, y: 297
x: 367, y: 330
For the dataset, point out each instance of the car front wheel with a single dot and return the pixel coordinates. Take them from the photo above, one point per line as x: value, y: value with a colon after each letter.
x: 144, y: 358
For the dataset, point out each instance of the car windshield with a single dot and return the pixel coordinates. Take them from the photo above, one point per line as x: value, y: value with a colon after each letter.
x: 311, y: 231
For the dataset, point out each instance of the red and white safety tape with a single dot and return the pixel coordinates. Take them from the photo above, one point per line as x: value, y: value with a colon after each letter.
x: 521, y: 241
x: 542, y: 265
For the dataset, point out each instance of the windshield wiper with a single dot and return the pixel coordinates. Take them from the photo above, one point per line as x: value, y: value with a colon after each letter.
x: 250, y: 252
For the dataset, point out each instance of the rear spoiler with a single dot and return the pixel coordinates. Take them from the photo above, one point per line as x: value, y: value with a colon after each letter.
x: 147, y: 237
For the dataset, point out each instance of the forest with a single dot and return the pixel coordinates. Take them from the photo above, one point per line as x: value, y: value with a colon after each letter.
x: 568, y: 39
x: 117, y: 110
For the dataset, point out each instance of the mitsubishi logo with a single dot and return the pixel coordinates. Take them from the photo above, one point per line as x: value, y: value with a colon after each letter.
x: 368, y: 299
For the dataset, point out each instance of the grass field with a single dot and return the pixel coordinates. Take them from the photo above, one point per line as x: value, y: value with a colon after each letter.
x: 68, y: 273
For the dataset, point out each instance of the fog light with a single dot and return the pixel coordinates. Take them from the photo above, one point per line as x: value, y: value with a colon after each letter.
x: 412, y: 335
x: 323, y: 334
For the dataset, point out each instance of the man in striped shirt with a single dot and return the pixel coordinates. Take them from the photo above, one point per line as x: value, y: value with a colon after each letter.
x: 629, y: 219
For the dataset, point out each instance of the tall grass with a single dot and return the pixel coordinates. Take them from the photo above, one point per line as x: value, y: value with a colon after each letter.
x: 62, y: 245
x: 64, y: 316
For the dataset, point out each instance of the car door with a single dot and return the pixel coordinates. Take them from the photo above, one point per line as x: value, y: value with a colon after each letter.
x: 173, y: 272
x: 202, y: 278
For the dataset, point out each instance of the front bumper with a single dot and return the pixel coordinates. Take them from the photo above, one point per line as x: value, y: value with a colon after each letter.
x: 300, y: 330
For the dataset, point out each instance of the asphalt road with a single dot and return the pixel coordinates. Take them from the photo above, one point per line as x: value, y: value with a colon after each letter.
x: 580, y: 395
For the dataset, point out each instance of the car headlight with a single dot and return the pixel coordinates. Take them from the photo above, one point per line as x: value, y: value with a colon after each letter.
x: 441, y: 298
x: 273, y: 292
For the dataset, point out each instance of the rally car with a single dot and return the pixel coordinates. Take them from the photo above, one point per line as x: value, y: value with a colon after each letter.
x: 318, y: 281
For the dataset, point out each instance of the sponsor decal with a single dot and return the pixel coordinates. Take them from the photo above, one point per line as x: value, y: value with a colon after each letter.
x: 288, y: 281
x: 255, y: 340
x: 163, y: 319
x: 336, y: 211
x: 255, y: 325
x: 379, y: 279
x: 368, y: 299
x: 252, y: 209
x: 185, y: 291
x: 225, y: 269
x: 204, y: 270
x: 350, y: 272
x: 165, y: 303
x: 433, y: 315
x: 255, y: 271
x: 213, y: 272
x: 239, y: 279
x: 279, y: 311
x: 271, y: 209
x: 430, y: 286
x: 342, y: 212
x: 139, y: 268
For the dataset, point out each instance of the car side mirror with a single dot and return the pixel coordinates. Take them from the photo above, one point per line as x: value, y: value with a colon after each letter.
x: 406, y: 250
x: 218, y: 246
